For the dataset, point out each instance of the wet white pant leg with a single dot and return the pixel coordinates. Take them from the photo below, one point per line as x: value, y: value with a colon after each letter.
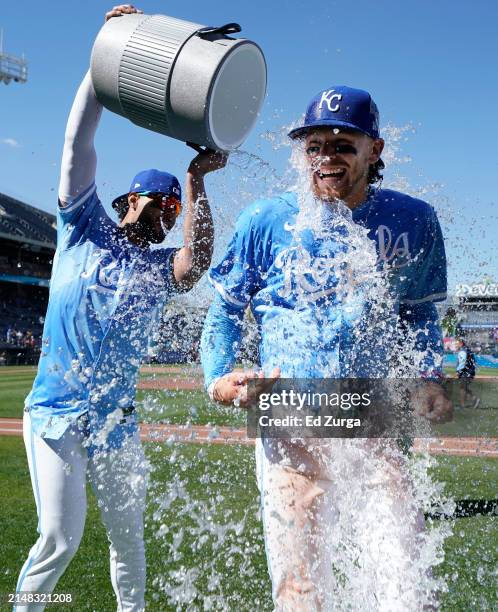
x: 119, y: 479
x: 58, y: 476
x: 290, y: 495
x: 392, y: 542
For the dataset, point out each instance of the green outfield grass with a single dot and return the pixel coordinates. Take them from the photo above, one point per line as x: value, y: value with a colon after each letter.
x: 181, y: 407
x: 15, y: 384
x: 480, y: 371
x: 227, y: 475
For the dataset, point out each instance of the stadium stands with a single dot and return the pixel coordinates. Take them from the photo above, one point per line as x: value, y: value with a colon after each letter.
x: 28, y: 240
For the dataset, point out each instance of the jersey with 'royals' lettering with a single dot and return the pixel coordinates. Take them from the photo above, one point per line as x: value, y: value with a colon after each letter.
x: 301, y: 293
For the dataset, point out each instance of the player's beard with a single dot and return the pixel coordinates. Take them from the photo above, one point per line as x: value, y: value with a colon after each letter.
x: 155, y: 233
x: 329, y: 190
x: 152, y: 228
x: 143, y: 233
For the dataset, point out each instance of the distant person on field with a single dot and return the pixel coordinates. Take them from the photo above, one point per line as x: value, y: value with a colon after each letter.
x: 466, y: 371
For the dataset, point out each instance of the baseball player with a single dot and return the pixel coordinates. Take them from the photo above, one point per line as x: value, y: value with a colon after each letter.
x: 293, y: 259
x: 107, y: 290
x: 466, y: 371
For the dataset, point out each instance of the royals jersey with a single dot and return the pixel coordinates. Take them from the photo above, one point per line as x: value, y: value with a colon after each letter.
x: 312, y: 293
x: 105, y: 295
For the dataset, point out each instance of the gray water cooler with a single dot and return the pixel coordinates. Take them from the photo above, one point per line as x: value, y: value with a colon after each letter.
x: 179, y: 78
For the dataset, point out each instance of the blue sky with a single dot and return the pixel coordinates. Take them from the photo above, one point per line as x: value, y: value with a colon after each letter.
x: 431, y: 67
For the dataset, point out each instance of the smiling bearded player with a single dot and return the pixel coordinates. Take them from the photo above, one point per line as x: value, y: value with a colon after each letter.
x: 106, y: 293
x: 305, y: 486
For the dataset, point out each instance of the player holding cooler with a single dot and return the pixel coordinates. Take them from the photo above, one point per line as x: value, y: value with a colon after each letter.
x: 308, y: 317
x: 107, y: 290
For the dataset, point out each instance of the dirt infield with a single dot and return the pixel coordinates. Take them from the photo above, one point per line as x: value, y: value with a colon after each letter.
x: 171, y: 378
x: 171, y: 383
x: 190, y: 370
x: 199, y: 434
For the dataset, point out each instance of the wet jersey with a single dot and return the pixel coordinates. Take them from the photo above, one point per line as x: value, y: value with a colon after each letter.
x: 313, y: 289
x: 105, y: 295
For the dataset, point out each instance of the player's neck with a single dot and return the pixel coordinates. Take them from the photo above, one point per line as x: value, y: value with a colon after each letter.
x: 358, y: 197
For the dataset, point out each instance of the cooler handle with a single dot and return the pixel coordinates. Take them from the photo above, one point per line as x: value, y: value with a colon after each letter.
x: 228, y: 28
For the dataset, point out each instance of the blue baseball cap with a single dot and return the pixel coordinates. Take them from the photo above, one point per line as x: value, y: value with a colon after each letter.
x: 152, y: 181
x: 342, y: 107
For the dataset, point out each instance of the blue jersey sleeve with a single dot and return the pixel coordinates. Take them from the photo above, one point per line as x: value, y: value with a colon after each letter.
x: 220, y: 340
x: 237, y: 277
x: 428, y: 271
x: 421, y: 321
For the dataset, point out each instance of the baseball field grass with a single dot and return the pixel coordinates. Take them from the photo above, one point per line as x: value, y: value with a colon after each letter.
x: 468, y: 567
x: 214, y: 484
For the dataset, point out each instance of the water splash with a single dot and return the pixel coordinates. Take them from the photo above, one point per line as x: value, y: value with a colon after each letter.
x: 211, y: 551
x: 211, y: 543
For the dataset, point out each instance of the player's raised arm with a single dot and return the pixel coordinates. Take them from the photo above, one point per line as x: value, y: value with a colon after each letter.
x: 194, y: 258
x: 79, y: 159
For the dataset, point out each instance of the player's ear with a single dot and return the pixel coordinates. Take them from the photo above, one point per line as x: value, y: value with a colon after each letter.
x: 376, y: 152
x: 133, y: 199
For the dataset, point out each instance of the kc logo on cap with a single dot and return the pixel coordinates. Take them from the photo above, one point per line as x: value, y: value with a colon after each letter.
x: 328, y: 97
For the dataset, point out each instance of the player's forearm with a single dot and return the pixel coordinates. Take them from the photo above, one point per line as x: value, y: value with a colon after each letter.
x: 79, y: 159
x: 198, y: 233
x: 220, y: 339
x: 424, y: 334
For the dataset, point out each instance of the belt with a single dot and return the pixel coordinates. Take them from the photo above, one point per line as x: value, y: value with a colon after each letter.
x: 84, y: 418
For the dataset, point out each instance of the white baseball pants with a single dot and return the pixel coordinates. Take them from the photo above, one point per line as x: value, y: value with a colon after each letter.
x: 342, y: 528
x: 59, y: 470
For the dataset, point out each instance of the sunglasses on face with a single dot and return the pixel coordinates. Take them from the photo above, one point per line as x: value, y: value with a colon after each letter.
x: 163, y: 201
